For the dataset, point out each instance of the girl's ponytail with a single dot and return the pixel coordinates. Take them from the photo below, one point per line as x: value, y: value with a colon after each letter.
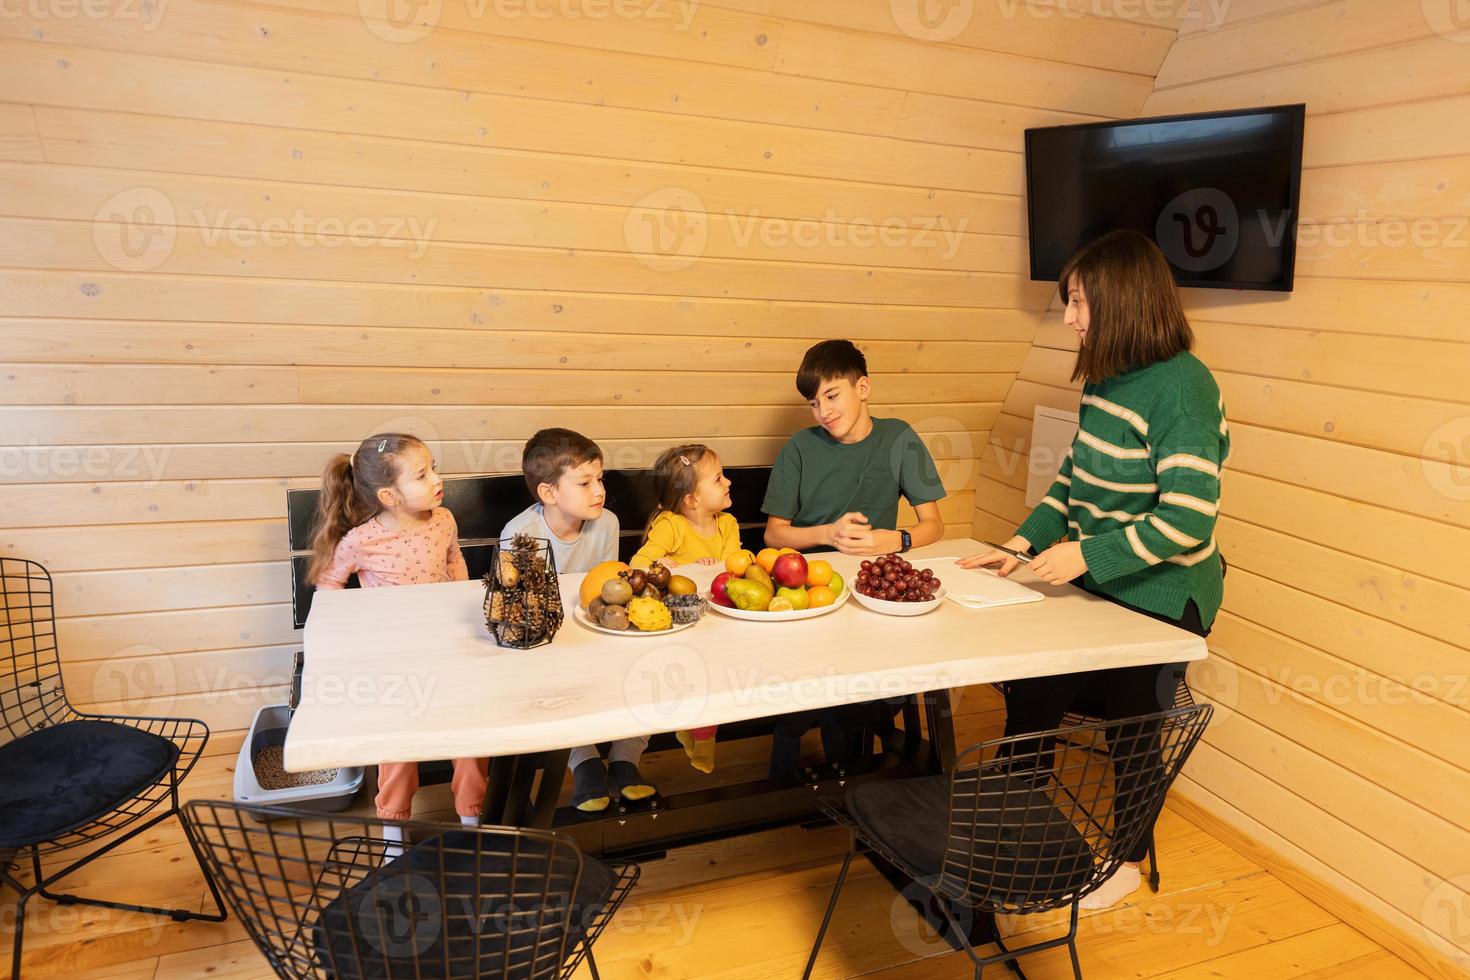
x: 337, y: 513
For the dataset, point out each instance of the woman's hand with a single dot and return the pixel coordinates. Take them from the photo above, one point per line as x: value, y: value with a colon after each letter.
x: 1007, y: 563
x: 1060, y: 563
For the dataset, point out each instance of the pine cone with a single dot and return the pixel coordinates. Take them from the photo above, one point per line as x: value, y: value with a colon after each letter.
x: 506, y: 567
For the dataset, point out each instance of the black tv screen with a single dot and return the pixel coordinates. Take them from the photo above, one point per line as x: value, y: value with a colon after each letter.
x: 1217, y: 191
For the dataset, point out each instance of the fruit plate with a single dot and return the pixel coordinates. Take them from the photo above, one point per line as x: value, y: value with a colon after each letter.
x: 582, y: 618
x: 901, y: 608
x: 761, y: 616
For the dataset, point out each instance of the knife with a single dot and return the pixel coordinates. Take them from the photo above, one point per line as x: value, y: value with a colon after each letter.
x: 1023, y: 558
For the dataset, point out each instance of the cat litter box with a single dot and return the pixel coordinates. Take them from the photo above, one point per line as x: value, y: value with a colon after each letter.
x: 261, y: 777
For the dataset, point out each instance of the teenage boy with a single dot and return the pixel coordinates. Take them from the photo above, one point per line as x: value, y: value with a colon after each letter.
x: 836, y: 485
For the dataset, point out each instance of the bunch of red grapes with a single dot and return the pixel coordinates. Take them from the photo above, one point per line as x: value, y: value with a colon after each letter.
x: 894, y: 579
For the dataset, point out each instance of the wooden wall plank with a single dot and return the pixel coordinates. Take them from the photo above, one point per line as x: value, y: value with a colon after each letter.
x: 64, y: 295
x: 69, y: 76
x: 19, y: 138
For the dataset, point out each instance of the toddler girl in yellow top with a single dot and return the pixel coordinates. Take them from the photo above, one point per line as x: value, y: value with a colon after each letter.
x: 690, y: 524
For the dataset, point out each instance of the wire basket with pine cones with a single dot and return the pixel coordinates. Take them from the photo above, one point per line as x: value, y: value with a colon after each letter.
x: 522, y: 595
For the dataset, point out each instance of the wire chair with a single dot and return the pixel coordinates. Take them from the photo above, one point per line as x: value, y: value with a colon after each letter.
x: 1018, y: 826
x: 1087, y: 709
x: 73, y: 778
x: 329, y: 896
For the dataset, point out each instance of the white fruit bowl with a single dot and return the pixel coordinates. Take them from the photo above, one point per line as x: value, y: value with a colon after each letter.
x: 900, y: 608
x: 762, y: 616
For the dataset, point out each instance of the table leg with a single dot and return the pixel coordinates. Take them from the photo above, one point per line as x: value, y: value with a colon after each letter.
x: 553, y: 775
x: 522, y: 779
x: 497, y: 790
x: 939, y: 719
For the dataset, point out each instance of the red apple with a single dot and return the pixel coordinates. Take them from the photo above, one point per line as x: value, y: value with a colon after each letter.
x: 717, y: 592
x: 789, y: 570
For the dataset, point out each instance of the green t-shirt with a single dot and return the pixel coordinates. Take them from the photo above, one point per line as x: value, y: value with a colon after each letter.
x: 817, y: 479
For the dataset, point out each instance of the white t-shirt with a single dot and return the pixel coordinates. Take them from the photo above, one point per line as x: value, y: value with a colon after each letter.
x: 597, y: 543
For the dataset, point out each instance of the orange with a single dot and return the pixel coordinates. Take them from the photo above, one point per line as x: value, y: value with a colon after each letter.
x: 818, y: 572
x: 592, y: 583
x: 779, y: 604
x: 737, y: 563
x: 767, y: 558
x: 818, y: 596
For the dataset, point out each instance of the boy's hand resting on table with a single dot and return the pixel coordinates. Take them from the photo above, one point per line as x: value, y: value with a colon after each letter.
x: 851, y: 534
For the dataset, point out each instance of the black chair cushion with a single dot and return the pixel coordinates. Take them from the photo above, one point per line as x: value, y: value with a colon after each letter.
x: 1023, y: 848
x: 64, y: 776
x: 397, y: 921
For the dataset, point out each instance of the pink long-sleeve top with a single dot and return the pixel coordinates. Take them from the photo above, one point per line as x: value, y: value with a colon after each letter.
x: 380, y: 556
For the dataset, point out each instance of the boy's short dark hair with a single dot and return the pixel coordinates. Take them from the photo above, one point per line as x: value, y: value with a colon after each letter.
x: 828, y: 361
x: 551, y: 452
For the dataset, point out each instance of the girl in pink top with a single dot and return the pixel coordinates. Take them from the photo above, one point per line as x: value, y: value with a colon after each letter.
x: 380, y: 516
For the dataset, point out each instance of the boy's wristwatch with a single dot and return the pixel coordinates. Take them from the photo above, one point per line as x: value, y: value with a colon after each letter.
x: 907, y: 540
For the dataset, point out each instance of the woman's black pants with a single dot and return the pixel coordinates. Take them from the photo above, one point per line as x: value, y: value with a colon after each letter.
x: 1037, y: 704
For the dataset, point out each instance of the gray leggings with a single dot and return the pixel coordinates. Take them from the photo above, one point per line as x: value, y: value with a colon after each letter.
x: 623, y: 750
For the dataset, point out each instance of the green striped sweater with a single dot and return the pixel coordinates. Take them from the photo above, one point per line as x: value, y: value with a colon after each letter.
x: 1140, y: 488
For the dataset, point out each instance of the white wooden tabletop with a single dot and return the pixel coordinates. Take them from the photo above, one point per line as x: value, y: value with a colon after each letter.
x: 411, y: 673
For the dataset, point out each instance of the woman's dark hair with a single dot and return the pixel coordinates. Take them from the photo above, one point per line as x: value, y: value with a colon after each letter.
x: 1135, y: 317
x: 349, y: 496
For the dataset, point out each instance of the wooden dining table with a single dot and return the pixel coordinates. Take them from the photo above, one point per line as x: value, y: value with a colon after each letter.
x: 412, y: 673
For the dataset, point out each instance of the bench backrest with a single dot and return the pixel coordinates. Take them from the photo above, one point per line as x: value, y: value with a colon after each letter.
x: 482, y: 504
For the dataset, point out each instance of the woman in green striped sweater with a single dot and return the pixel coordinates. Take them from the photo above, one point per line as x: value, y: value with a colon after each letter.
x: 1136, y: 497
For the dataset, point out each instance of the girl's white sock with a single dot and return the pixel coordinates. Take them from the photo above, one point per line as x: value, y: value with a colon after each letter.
x: 394, y: 833
x: 465, y: 821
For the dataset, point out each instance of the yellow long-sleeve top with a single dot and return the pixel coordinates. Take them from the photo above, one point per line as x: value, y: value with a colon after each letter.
x: 672, y: 536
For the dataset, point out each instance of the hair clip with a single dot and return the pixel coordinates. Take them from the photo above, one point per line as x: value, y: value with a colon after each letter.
x: 684, y: 460
x: 382, y: 444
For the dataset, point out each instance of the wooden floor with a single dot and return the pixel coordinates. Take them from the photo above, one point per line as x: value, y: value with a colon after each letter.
x: 748, y: 908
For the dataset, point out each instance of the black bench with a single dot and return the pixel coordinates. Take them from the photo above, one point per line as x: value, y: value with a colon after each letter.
x: 482, y: 504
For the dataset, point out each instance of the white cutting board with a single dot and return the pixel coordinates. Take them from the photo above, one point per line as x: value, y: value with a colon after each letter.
x: 978, y: 588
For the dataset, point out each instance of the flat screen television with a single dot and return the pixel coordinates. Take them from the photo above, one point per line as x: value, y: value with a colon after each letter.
x: 1217, y: 191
